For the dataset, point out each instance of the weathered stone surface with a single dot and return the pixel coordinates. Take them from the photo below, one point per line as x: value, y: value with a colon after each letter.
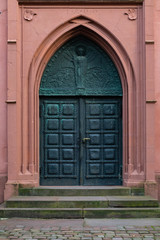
x: 82, y: 1
x: 74, y: 191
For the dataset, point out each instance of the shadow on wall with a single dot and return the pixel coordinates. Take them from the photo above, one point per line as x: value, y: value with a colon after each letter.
x: 3, y: 181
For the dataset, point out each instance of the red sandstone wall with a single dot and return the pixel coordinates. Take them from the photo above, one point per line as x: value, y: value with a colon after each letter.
x: 3, y: 82
x: 32, y: 31
x: 157, y: 85
x: 157, y: 82
x: 152, y: 39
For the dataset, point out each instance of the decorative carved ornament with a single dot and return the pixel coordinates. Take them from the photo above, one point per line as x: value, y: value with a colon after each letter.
x: 132, y: 14
x: 28, y: 15
x: 80, y: 67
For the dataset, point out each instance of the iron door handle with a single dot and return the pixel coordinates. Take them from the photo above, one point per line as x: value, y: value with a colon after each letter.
x: 85, y: 139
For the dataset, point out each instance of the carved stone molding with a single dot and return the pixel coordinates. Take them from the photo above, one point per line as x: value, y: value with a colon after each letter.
x: 80, y: 1
x: 28, y: 15
x: 132, y: 14
x: 80, y: 20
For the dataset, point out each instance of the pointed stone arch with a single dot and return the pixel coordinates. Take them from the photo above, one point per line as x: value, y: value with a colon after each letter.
x: 133, y: 118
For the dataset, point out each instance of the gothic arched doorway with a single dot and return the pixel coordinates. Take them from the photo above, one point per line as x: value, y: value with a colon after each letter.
x: 80, y: 117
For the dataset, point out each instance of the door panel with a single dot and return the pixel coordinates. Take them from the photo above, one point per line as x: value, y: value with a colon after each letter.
x: 103, y: 149
x: 59, y: 142
x: 81, y: 141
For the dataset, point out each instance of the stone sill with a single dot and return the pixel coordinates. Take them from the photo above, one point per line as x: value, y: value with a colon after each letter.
x: 80, y: 2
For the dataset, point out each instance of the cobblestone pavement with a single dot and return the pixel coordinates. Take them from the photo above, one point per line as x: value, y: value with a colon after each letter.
x: 21, y: 229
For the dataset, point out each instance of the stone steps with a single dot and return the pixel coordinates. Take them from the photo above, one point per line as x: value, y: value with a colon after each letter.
x: 68, y: 213
x: 81, y: 191
x: 81, y: 202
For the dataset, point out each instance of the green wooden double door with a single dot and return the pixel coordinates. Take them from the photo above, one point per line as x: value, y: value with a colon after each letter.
x: 81, y: 141
x: 80, y: 117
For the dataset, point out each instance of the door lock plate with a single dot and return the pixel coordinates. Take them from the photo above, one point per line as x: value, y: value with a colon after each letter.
x: 85, y: 139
